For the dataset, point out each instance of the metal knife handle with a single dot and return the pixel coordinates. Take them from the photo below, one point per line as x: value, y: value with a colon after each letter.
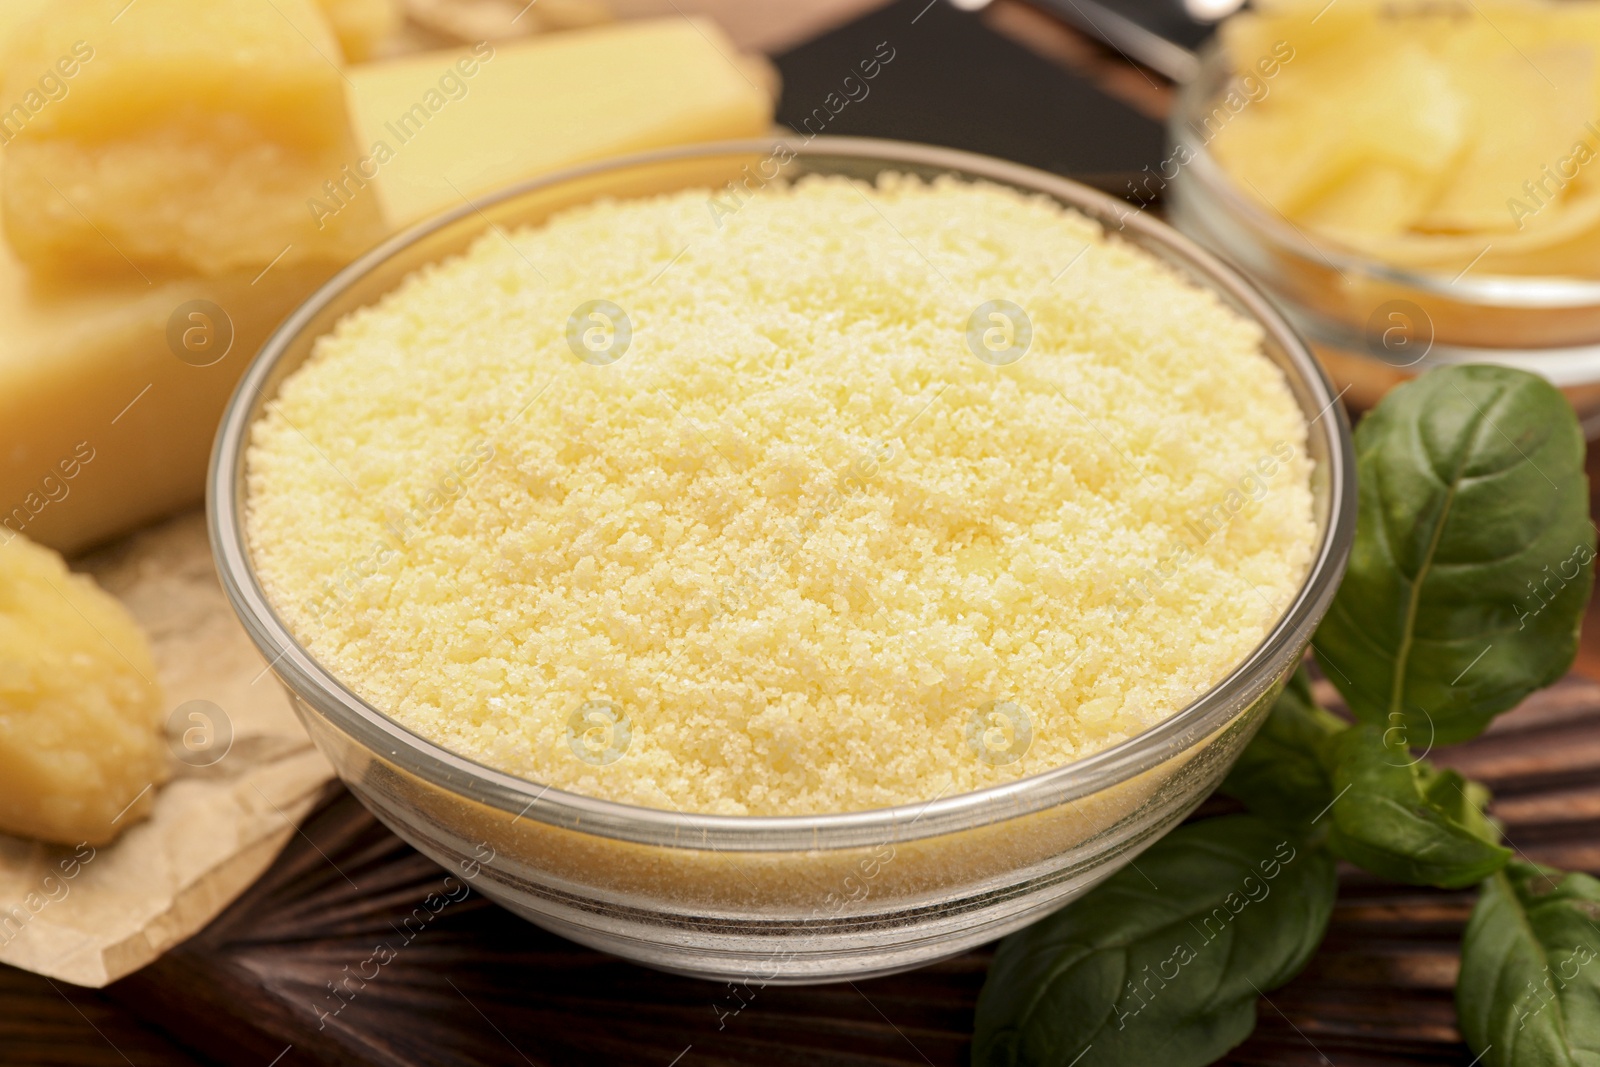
x: 1135, y: 42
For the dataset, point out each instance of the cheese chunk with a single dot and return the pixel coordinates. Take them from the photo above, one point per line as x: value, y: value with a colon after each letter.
x: 188, y: 137
x: 1528, y: 109
x: 435, y: 127
x: 89, y: 365
x: 1293, y: 154
x: 81, y: 742
x: 1428, y: 136
x: 102, y: 425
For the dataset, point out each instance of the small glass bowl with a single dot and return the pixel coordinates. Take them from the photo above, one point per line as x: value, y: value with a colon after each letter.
x: 778, y: 899
x: 1374, y: 325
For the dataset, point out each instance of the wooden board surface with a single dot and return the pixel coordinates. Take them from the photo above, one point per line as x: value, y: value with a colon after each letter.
x: 480, y: 986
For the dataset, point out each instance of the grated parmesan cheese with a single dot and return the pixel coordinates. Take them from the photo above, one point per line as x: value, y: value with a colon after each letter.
x: 722, y: 511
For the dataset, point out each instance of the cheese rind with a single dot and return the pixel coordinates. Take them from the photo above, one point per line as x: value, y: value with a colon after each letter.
x: 80, y: 711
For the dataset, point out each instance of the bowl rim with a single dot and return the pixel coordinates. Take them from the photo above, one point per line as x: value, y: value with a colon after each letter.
x: 1510, y: 291
x: 317, y: 689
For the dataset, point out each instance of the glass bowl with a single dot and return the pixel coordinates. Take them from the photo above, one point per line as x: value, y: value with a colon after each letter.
x: 778, y: 899
x: 1374, y: 325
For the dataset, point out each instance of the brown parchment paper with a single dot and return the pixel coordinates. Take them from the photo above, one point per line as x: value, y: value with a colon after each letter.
x: 214, y: 829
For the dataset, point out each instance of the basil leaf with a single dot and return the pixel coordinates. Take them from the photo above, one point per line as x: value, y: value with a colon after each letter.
x: 1461, y: 799
x: 1473, y: 555
x: 1281, y: 775
x: 1529, y: 991
x: 1385, y: 820
x: 1163, y: 963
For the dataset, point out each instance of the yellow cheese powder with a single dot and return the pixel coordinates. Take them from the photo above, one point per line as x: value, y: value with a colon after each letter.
x: 825, y: 497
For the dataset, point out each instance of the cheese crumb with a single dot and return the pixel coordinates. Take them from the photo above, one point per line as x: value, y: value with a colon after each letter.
x: 81, y: 743
x: 844, y: 496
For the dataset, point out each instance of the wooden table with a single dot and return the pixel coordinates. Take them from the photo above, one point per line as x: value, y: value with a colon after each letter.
x: 484, y: 987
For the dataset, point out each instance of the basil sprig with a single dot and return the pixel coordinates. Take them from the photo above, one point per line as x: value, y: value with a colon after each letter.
x: 1391, y: 813
x: 1401, y: 820
x: 1529, y: 991
x: 1473, y: 557
x: 1163, y: 963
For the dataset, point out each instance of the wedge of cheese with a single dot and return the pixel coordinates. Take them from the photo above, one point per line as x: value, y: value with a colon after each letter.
x: 436, y: 127
x: 102, y: 425
x: 188, y: 137
x: 100, y: 368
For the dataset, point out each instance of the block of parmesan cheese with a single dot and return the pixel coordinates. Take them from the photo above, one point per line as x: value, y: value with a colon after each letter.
x: 188, y: 138
x: 436, y: 126
x: 104, y: 425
